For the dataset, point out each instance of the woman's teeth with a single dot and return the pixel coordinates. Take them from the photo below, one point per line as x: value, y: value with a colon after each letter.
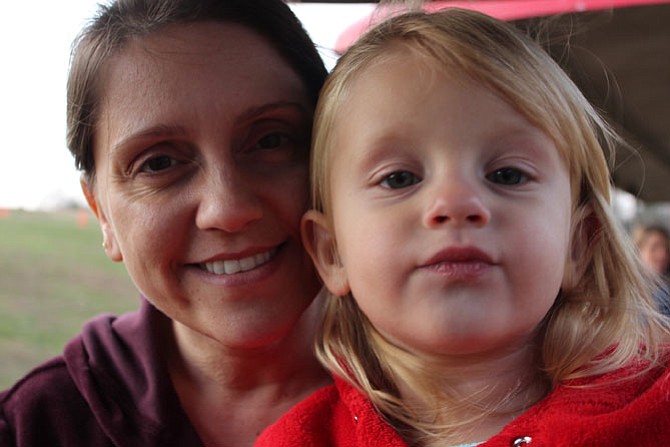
x: 232, y: 266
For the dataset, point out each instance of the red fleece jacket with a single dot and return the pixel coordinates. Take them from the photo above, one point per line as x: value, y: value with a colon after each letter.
x: 632, y: 412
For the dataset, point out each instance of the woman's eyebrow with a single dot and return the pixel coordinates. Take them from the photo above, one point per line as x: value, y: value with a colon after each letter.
x: 158, y: 131
x: 254, y: 112
x: 175, y: 130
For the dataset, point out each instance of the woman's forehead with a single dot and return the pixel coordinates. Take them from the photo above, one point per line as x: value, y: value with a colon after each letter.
x: 188, y: 73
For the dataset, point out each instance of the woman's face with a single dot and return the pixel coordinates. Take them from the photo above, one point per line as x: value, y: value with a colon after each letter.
x: 201, y: 152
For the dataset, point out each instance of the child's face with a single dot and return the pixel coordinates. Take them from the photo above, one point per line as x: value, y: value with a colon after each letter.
x: 450, y: 210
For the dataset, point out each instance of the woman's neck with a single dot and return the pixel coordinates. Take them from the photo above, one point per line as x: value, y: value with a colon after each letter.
x: 246, y: 389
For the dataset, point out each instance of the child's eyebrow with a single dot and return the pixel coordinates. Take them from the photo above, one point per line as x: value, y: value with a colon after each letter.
x: 378, y: 148
x: 532, y: 140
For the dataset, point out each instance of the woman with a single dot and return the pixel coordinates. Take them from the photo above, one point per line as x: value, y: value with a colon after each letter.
x: 190, y: 123
x: 653, y: 245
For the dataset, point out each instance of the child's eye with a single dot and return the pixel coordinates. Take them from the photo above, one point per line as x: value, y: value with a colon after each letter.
x: 157, y: 164
x: 507, y: 176
x: 399, y: 179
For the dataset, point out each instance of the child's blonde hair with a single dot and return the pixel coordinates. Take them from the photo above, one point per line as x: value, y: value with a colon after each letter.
x: 604, y: 305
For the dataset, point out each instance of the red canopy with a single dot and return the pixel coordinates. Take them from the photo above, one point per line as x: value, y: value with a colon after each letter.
x: 502, y: 9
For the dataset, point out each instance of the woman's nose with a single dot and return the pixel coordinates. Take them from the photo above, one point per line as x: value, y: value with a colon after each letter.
x: 227, y: 202
x: 455, y: 202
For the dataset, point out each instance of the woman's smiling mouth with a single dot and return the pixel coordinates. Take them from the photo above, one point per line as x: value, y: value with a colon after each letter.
x: 232, y: 266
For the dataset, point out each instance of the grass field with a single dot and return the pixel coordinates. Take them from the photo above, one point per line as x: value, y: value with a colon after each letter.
x: 54, y: 275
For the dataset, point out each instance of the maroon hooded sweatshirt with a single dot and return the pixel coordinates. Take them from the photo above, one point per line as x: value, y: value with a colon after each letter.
x: 109, y: 388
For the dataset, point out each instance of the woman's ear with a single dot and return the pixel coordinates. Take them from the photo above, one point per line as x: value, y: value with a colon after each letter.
x: 319, y: 241
x: 109, y: 242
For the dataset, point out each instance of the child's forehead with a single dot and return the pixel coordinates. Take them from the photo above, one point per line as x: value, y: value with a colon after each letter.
x: 400, y: 52
x: 428, y: 68
x: 419, y: 69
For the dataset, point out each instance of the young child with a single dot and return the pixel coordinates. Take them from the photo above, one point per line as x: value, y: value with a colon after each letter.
x: 482, y: 291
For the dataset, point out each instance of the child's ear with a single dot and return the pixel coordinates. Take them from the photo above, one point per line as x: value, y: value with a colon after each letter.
x: 319, y: 241
x: 585, y: 226
x: 109, y: 243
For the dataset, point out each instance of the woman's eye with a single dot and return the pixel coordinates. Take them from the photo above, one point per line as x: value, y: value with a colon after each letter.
x: 275, y: 147
x: 272, y: 141
x: 157, y: 164
x: 399, y: 179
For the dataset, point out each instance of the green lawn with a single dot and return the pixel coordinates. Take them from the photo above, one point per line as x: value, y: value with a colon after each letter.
x: 54, y: 276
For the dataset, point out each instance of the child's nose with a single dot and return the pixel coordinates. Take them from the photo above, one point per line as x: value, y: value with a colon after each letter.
x: 455, y: 202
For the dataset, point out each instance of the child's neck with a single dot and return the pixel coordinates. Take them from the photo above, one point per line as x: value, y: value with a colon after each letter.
x: 478, y: 395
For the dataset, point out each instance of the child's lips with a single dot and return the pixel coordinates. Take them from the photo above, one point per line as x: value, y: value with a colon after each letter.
x: 459, y: 255
x: 460, y: 270
x: 459, y: 263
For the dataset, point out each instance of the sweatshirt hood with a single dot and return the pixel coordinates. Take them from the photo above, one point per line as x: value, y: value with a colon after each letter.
x: 118, y: 366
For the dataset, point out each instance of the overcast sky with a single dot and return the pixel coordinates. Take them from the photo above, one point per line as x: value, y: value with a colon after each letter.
x: 36, y: 169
